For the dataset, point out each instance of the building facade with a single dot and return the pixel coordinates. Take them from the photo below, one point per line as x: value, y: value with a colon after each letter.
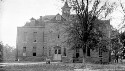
x: 44, y: 38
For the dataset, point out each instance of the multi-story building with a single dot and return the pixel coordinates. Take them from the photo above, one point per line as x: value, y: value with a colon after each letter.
x: 44, y: 38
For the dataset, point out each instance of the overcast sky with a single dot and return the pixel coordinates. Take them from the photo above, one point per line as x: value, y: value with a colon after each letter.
x: 15, y: 13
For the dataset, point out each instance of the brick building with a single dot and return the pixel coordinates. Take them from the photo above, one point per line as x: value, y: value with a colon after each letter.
x: 44, y: 38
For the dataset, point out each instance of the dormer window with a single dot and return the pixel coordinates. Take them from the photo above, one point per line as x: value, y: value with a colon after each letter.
x: 58, y: 17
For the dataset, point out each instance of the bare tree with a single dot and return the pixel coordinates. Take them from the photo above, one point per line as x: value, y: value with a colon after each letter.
x: 82, y: 31
x: 121, y: 25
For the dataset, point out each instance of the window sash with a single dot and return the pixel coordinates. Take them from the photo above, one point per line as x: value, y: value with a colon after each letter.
x: 64, y: 52
x: 34, y: 36
x: 34, y: 49
x: 24, y: 49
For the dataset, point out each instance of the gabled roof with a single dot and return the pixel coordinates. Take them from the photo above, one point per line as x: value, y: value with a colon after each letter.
x: 58, y: 17
x: 35, y: 23
x: 32, y: 18
x: 48, y: 17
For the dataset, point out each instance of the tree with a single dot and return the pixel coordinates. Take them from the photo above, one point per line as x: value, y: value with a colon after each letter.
x: 1, y: 51
x: 116, y: 43
x: 122, y: 11
x: 83, y: 32
x: 9, y: 53
x: 122, y: 40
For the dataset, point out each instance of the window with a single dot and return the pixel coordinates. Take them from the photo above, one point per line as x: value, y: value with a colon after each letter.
x: 88, y: 51
x: 58, y: 35
x: 25, y: 36
x: 77, y: 50
x: 24, y: 51
x: 34, y: 36
x: 34, y: 51
x: 58, y: 17
x: 59, y: 51
x: 43, y: 50
x: 100, y: 51
x: 64, y: 52
x: 77, y: 53
x: 55, y: 51
x: 49, y: 52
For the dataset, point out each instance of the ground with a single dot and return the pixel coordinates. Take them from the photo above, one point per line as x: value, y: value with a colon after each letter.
x: 57, y: 66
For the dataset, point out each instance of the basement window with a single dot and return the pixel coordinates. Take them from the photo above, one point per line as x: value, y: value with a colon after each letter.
x: 34, y: 54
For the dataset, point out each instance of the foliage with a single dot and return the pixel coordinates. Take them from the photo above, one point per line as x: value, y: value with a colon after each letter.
x: 83, y: 32
x: 116, y: 41
x: 123, y: 12
x: 1, y: 51
x: 122, y: 38
x: 9, y: 53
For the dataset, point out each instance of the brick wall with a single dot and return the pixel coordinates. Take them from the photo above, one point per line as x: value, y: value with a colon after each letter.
x: 29, y: 43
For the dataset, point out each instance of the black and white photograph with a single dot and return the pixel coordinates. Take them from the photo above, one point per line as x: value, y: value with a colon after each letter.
x: 62, y: 35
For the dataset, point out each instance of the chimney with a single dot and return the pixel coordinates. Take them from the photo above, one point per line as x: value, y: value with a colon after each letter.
x: 40, y: 18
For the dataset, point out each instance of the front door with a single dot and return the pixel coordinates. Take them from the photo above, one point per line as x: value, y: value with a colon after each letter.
x: 57, y: 55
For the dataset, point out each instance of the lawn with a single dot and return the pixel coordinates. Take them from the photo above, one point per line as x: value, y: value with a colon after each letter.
x: 63, y: 67
x: 39, y: 67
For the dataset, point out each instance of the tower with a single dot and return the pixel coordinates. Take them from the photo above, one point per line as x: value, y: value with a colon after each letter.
x: 66, y: 10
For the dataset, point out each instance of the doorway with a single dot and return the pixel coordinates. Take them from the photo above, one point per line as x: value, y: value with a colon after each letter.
x: 57, y: 53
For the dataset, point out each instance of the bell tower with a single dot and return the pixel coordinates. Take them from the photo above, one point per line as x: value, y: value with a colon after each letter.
x: 66, y: 10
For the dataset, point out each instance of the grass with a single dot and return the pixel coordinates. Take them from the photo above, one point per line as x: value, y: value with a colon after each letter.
x: 43, y: 67
x: 62, y: 67
x: 107, y: 67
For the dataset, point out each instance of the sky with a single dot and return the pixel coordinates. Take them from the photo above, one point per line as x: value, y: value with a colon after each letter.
x: 15, y: 13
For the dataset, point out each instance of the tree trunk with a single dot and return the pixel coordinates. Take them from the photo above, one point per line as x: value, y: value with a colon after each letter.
x: 84, y: 55
x: 83, y: 58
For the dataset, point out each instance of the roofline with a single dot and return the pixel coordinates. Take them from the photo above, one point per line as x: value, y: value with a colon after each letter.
x: 31, y: 27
